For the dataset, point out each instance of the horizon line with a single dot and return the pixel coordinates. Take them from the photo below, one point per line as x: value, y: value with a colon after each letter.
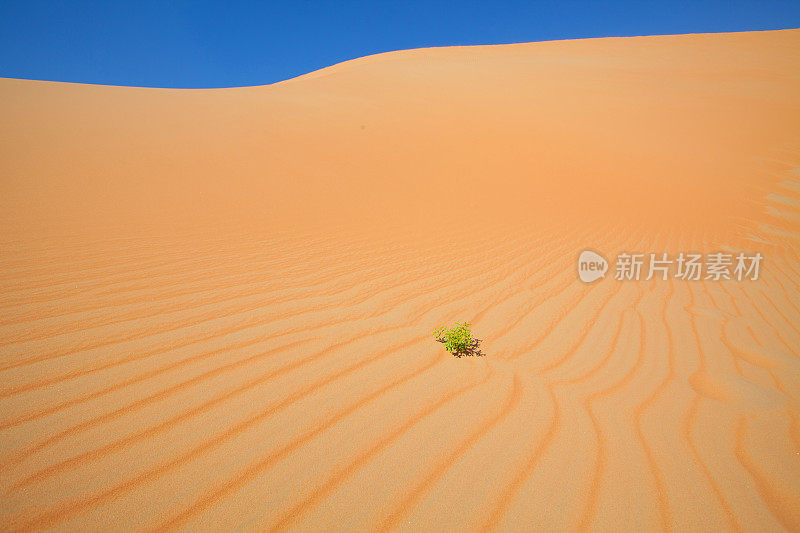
x: 396, y: 51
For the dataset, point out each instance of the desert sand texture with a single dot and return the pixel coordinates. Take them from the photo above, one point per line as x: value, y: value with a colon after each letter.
x: 216, y: 306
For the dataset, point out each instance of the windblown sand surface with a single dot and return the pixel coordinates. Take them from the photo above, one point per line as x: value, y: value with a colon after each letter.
x: 217, y: 305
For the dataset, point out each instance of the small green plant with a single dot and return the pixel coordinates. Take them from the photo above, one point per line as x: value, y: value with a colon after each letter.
x: 457, y: 340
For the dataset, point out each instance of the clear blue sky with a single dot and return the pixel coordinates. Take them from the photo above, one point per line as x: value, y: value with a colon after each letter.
x: 229, y: 43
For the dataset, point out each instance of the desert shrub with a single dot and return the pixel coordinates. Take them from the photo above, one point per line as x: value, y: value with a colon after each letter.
x: 457, y: 340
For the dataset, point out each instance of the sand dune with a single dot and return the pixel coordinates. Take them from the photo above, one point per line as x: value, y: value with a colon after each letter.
x: 217, y: 305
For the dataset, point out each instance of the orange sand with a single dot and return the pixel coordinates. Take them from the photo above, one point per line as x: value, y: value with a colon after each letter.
x: 217, y: 305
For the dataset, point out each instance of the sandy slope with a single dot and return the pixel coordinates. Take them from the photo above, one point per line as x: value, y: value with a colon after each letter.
x: 217, y: 304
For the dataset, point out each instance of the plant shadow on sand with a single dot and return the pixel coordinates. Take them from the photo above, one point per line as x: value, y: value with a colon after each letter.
x: 474, y: 349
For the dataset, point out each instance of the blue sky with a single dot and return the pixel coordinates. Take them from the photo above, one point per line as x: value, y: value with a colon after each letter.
x: 223, y: 44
